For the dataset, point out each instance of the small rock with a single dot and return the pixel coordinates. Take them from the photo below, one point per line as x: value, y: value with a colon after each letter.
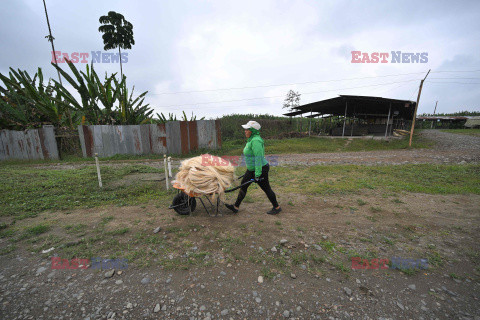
x: 260, y: 279
x: 274, y: 249
x: 157, y: 230
x: 119, y: 272
x: 286, y: 314
x: 145, y: 280
x: 400, y: 305
x: 119, y: 282
x: 157, y: 308
x: 224, y: 312
x: 48, y: 250
x: 203, y: 308
x: 356, y: 280
x: 164, y: 307
x: 40, y: 270
x: 109, y: 273
x: 412, y: 287
x: 258, y: 300
x: 317, y: 247
x: 347, y: 291
x: 293, y: 276
x: 283, y: 241
x: 129, y: 305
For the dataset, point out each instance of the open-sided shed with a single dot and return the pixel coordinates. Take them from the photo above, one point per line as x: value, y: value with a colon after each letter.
x: 365, y: 115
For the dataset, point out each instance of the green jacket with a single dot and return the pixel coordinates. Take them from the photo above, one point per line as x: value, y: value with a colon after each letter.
x: 254, y: 153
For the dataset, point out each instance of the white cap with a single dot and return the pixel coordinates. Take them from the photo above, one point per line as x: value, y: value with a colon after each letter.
x: 252, y: 124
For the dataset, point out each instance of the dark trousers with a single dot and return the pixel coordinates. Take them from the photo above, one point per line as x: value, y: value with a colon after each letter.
x: 264, y: 184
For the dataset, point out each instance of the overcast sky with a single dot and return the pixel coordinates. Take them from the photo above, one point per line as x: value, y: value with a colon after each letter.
x: 272, y: 46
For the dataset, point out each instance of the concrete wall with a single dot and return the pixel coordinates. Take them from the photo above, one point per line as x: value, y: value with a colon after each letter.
x: 31, y: 144
x: 173, y: 137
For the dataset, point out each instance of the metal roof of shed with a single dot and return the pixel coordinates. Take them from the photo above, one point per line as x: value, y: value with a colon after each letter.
x: 358, y: 106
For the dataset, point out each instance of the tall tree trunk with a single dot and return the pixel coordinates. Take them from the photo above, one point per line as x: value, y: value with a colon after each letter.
x: 121, y: 71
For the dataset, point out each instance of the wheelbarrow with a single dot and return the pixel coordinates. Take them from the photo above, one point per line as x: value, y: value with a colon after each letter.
x: 185, y: 203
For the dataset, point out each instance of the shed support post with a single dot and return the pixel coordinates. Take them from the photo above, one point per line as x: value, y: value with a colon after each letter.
x: 344, y: 119
x: 310, y: 123
x: 388, y: 120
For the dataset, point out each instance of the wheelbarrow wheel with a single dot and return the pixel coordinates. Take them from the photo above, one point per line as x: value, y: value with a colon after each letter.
x: 183, y: 204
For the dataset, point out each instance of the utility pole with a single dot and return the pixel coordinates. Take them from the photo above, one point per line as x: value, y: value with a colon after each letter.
x: 416, y: 108
x: 50, y: 38
x: 435, y: 110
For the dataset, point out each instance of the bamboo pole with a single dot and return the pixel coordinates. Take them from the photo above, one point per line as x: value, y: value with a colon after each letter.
x: 98, y: 171
x: 166, y: 170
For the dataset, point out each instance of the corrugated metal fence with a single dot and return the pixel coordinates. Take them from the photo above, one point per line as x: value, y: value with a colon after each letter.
x: 173, y: 137
x: 31, y: 144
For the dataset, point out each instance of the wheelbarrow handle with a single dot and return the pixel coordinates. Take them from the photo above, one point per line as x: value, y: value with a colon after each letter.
x: 243, y: 184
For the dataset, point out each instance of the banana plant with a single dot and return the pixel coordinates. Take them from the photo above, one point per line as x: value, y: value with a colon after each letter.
x: 28, y: 104
x: 131, y: 111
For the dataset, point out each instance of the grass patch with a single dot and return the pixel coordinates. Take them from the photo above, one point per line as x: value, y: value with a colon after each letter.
x: 36, y: 230
x: 340, y: 179
x: 63, y: 189
x: 321, y: 144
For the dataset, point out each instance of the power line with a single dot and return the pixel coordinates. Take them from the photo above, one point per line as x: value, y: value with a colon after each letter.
x: 270, y: 97
x: 302, y: 83
x: 453, y: 82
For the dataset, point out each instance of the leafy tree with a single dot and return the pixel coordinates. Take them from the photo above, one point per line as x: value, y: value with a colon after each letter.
x: 117, y: 33
x: 292, y: 100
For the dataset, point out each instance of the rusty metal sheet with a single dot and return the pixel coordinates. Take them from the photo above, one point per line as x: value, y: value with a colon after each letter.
x: 50, y: 141
x: 158, y: 138
x: 88, y: 136
x: 107, y: 140
x: 173, y: 137
x: 184, y: 137
x: 192, y: 135
x: 29, y: 145
x: 136, y: 139
x: 97, y: 140
x: 127, y: 132
x: 206, y: 134
x: 3, y: 152
x: 120, y: 140
x: 218, y: 134
x: 145, y: 138
x: 36, y: 146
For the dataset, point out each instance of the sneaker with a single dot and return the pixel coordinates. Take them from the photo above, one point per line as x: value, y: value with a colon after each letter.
x: 274, y: 211
x: 231, y: 207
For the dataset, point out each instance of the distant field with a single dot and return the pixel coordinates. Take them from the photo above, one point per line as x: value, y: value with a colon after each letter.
x: 470, y: 132
x: 314, y: 144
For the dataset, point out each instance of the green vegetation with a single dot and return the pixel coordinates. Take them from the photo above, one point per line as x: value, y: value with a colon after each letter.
x: 339, y: 179
x: 324, y: 144
x: 26, y: 191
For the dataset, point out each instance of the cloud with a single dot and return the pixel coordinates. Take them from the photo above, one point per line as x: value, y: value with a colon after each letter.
x: 206, y: 45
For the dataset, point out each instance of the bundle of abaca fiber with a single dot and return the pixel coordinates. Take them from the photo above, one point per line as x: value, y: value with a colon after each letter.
x: 205, y: 174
